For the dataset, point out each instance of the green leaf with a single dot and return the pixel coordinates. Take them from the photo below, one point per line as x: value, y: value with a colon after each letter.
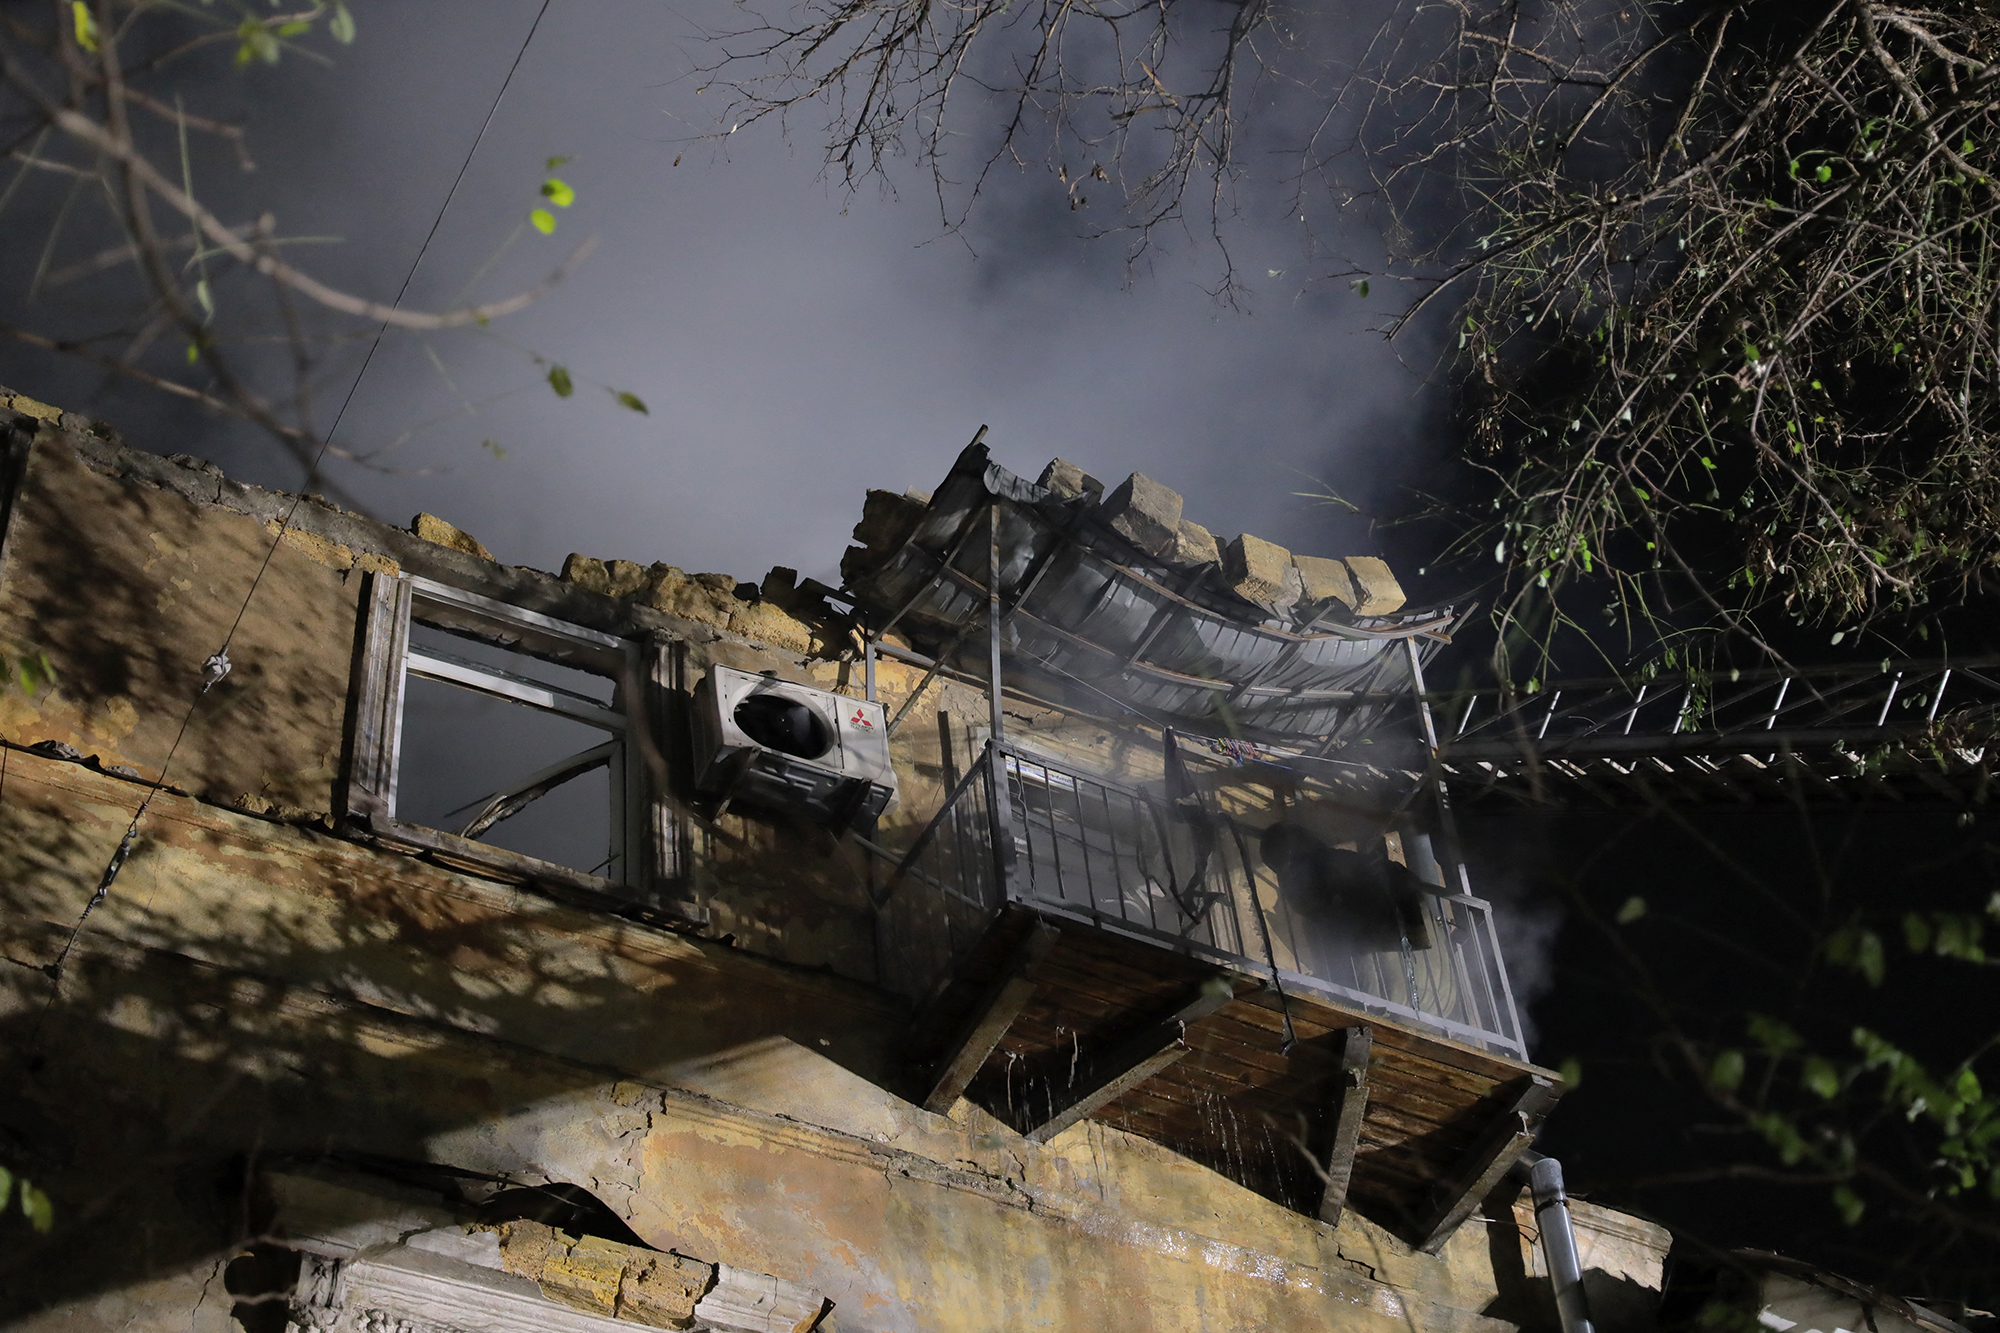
x: 1634, y: 908
x: 493, y: 447
x: 1825, y: 173
x: 544, y: 221
x: 1572, y: 1072
x: 1774, y: 1035
x: 256, y: 43
x: 1727, y: 1071
x: 341, y: 25
x: 553, y: 163
x: 297, y: 27
x: 35, y: 671
x: 86, y: 25
x: 559, y: 380
x: 1360, y: 288
x: 37, y: 1208
x: 1916, y: 932
x: 205, y: 296
x: 1820, y: 1076
x: 1849, y: 1203
x: 631, y: 401
x: 6, y: 1187
x: 558, y: 192
x: 1858, y: 948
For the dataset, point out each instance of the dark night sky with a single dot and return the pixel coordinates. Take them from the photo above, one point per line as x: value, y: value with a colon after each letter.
x: 795, y: 342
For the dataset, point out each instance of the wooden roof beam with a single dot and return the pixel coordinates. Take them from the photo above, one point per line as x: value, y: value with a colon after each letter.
x: 1505, y: 1139
x: 1126, y: 1064
x: 982, y: 1029
x: 1350, y: 1104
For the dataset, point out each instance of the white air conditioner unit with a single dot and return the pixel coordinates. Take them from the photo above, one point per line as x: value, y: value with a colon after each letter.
x: 764, y: 742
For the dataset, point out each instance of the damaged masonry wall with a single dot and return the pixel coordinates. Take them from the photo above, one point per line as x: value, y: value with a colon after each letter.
x: 261, y: 988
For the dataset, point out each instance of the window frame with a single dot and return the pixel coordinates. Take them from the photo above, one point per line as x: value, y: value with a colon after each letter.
x: 647, y: 831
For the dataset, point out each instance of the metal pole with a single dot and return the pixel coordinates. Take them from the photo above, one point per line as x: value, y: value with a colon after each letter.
x: 868, y: 666
x: 1001, y: 808
x: 1448, y: 835
x: 1559, y: 1252
x: 993, y: 618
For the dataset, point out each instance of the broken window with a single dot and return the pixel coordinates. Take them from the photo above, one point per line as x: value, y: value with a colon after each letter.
x: 508, y: 740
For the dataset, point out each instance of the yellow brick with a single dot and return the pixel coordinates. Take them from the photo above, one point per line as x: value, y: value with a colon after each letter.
x: 434, y: 529
x: 767, y: 624
x: 27, y: 406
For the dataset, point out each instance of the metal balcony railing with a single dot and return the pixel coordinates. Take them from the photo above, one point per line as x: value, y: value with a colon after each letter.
x: 1088, y: 850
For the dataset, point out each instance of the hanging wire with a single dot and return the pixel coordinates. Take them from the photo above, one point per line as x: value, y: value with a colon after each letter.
x: 217, y: 665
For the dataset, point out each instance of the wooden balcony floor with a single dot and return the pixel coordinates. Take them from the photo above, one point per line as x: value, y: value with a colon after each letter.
x: 1049, y: 1021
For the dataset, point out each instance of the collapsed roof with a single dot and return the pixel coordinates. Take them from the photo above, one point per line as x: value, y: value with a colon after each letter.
x: 1117, y: 597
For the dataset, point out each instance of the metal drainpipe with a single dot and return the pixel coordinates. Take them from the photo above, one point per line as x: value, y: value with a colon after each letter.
x: 1545, y: 1181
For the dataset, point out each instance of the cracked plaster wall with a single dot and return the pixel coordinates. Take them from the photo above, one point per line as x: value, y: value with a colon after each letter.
x: 257, y: 988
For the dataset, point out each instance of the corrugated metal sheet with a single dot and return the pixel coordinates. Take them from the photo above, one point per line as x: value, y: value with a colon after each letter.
x: 1087, y: 609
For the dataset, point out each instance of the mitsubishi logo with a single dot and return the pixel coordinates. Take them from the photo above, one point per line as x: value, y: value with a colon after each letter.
x: 860, y: 719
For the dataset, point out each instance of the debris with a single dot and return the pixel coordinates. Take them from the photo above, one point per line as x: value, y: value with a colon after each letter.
x: 433, y: 529
x: 1145, y: 513
x: 1261, y: 572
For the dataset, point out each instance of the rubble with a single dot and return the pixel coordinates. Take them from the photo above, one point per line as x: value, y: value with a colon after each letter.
x: 1145, y: 513
x: 1194, y: 545
x: 1069, y: 481
x: 1261, y: 572
x: 1377, y: 588
x: 435, y: 530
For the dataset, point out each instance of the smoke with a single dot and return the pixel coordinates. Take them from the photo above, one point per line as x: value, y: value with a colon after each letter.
x: 794, y: 344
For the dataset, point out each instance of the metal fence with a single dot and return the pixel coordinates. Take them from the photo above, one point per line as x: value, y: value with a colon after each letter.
x: 1181, y: 877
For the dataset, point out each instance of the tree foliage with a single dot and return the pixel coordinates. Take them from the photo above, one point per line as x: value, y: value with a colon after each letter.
x: 1720, y: 279
x: 106, y: 98
x: 1729, y: 318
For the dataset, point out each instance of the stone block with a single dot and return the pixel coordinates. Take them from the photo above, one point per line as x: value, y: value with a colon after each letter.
x: 435, y: 530
x: 1194, y: 545
x: 29, y: 407
x: 1145, y: 513
x: 780, y: 585
x: 1260, y: 571
x: 606, y: 1277
x: 1068, y: 480
x: 586, y: 573
x: 767, y: 623
x: 886, y: 520
x: 661, y: 1290
x: 856, y: 561
x: 623, y: 578
x: 585, y: 1273
x: 1324, y: 579
x: 706, y: 599
x: 1378, y: 591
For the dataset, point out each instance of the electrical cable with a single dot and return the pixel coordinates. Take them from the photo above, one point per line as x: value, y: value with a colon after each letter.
x: 217, y: 666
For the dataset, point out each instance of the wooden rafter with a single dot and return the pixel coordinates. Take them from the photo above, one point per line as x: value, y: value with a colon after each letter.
x: 982, y: 1029
x: 1126, y: 1064
x: 1350, y: 1104
x: 1505, y: 1139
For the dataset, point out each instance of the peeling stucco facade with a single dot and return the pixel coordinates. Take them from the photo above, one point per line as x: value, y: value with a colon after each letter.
x: 267, y: 988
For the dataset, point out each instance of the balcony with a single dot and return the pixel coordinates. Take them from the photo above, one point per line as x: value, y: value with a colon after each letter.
x: 1089, y: 949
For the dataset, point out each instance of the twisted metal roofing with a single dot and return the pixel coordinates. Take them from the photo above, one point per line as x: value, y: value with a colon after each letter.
x: 1085, y: 608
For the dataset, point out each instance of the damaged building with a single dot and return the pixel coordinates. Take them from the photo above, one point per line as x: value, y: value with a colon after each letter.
x: 1053, y: 926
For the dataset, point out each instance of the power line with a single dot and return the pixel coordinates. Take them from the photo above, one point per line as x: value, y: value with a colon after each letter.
x: 217, y: 665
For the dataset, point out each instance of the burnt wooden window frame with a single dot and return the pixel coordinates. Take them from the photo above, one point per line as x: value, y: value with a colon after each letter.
x: 647, y: 830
